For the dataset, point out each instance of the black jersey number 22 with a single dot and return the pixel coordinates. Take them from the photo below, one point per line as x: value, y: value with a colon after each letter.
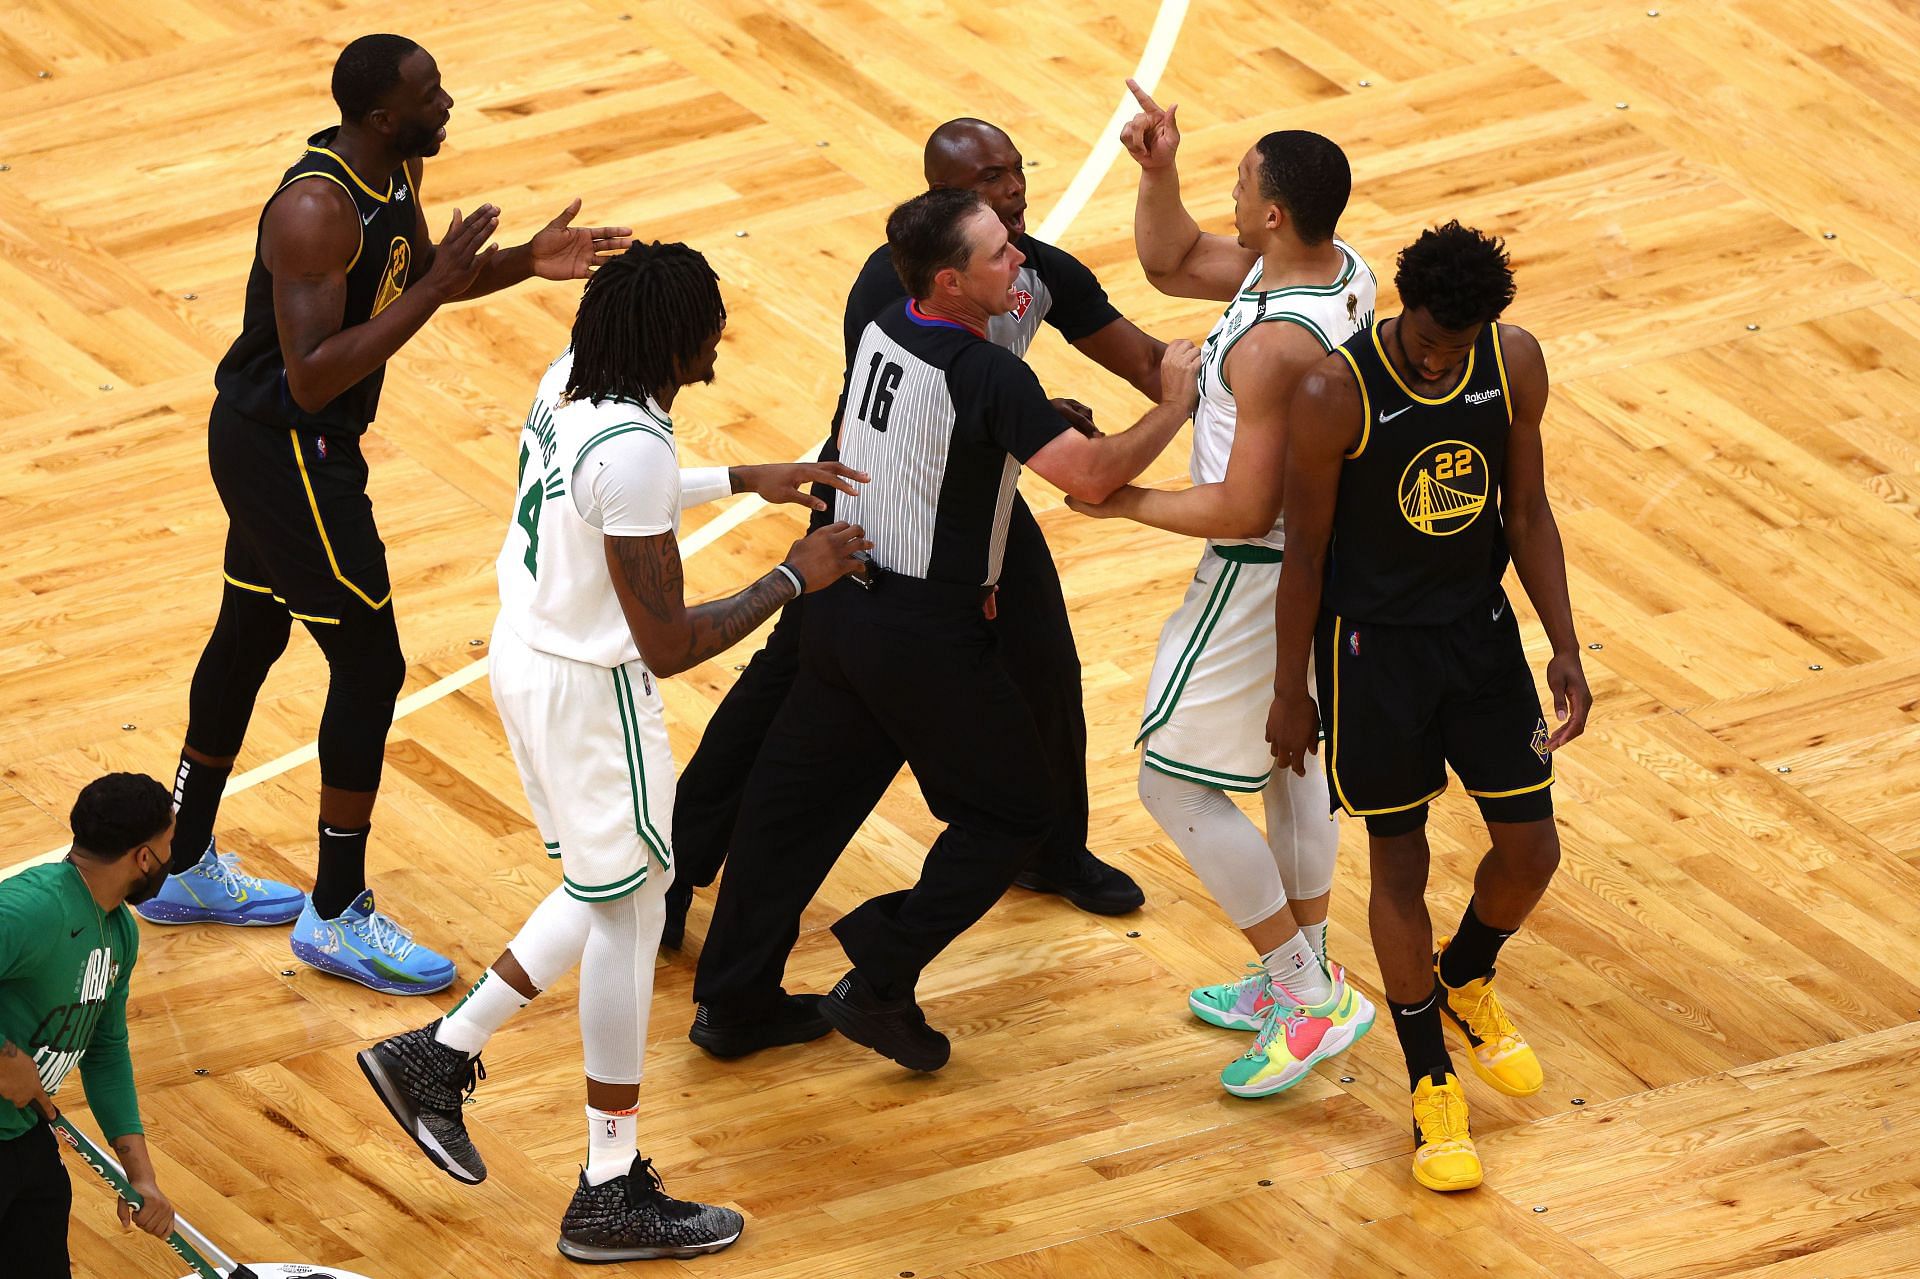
x: 876, y: 402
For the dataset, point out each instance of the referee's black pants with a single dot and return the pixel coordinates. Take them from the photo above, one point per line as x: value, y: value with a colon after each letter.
x: 1036, y: 647
x: 912, y: 673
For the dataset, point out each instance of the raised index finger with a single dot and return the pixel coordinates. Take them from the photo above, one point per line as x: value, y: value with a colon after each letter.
x: 1141, y: 96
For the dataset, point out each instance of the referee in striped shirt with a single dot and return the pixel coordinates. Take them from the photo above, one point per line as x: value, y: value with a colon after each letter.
x: 904, y: 667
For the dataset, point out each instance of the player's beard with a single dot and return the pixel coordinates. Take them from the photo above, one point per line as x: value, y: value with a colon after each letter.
x: 419, y: 141
x: 147, y: 887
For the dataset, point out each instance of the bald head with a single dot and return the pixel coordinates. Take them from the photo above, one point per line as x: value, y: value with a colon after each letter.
x: 973, y: 155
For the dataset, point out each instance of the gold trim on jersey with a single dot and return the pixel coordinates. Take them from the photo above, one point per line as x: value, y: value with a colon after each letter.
x: 1333, y: 748
x: 1449, y: 397
x: 1500, y: 363
x: 326, y: 543
x: 246, y: 586
x: 359, y: 227
x: 1366, y: 404
x: 357, y: 179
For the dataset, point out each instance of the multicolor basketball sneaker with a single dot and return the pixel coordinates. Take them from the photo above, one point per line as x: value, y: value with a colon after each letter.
x: 214, y: 890
x: 365, y: 946
x: 1294, y: 1040
x: 1239, y: 1005
x: 1236, y: 1005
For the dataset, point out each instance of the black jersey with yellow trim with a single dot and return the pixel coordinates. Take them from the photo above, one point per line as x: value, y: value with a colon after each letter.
x: 252, y: 377
x: 1417, y: 537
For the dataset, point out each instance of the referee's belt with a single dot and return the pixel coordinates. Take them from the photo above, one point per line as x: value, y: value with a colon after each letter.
x: 885, y: 582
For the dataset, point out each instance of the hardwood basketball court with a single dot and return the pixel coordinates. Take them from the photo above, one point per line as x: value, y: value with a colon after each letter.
x: 1710, y: 212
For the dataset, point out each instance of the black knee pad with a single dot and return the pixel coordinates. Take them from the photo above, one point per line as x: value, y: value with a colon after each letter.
x: 251, y: 631
x: 365, y: 671
x: 363, y: 651
x: 1404, y: 822
x: 248, y: 637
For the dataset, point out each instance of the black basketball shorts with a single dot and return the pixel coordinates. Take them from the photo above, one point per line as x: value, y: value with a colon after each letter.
x: 300, y: 524
x: 1401, y: 703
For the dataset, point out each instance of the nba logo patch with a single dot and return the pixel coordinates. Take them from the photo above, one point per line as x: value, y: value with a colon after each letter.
x: 320, y: 446
x: 1353, y: 643
x: 1021, y: 301
x: 646, y: 683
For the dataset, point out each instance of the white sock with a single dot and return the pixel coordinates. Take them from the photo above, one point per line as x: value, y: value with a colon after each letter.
x: 484, y: 1010
x: 1317, y: 938
x: 613, y: 1141
x: 1296, y: 970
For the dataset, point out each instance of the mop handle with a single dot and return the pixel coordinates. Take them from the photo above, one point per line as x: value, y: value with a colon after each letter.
x: 194, y: 1248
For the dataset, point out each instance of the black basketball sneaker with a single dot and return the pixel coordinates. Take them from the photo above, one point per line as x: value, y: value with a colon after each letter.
x: 423, y: 1084
x: 633, y: 1218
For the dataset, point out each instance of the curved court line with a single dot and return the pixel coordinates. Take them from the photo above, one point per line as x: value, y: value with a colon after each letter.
x: 1093, y: 170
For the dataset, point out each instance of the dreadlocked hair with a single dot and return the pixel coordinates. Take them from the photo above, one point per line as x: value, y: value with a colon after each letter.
x: 643, y: 318
x: 1461, y: 276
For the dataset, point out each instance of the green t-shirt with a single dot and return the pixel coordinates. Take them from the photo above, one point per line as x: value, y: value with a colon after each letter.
x: 64, y: 970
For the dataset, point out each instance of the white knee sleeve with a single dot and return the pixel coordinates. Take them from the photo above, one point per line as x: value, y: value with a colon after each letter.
x: 549, y: 943
x: 1225, y: 849
x: 616, y: 981
x: 1305, y: 842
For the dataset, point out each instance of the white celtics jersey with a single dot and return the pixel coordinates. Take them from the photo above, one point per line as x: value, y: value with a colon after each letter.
x: 555, y: 590
x: 1331, y: 312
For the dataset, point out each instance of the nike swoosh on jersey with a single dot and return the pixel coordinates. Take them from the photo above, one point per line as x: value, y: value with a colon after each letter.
x: 1388, y: 417
x: 368, y: 219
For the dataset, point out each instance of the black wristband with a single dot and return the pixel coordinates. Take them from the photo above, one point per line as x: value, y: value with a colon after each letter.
x: 799, y: 581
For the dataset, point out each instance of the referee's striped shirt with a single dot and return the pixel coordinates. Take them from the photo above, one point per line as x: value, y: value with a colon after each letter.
x: 941, y: 419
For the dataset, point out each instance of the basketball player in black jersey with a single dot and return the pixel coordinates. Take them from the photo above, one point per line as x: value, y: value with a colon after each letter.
x: 344, y: 272
x: 1414, y: 473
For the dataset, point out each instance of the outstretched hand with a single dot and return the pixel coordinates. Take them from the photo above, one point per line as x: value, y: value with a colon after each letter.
x: 1153, y: 136
x: 562, y: 251
x: 789, y: 481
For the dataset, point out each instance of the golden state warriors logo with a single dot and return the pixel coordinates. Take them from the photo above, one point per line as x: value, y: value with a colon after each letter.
x: 394, y: 281
x: 1444, y: 488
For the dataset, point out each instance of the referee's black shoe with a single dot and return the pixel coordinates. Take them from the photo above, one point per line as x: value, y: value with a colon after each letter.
x: 894, y: 1028
x: 1087, y: 882
x: 795, y: 1019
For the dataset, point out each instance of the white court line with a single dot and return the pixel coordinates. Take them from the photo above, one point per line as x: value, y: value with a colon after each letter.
x: 1153, y: 61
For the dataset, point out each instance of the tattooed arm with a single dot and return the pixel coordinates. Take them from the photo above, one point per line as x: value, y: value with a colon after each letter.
x: 19, y: 1079
x: 672, y: 637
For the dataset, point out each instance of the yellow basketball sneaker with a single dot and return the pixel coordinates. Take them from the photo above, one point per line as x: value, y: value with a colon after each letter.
x: 1500, y: 1054
x: 1444, y: 1157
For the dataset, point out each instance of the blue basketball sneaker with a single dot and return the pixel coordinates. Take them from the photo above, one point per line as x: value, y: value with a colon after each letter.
x: 370, y: 948
x: 214, y: 890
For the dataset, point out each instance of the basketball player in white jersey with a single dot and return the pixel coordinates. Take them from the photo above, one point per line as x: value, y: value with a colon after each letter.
x: 1293, y: 293
x: 591, y: 614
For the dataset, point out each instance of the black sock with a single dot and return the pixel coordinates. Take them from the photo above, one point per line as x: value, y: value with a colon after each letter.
x: 343, y: 870
x: 197, y: 789
x: 1472, y: 952
x: 1421, y: 1039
